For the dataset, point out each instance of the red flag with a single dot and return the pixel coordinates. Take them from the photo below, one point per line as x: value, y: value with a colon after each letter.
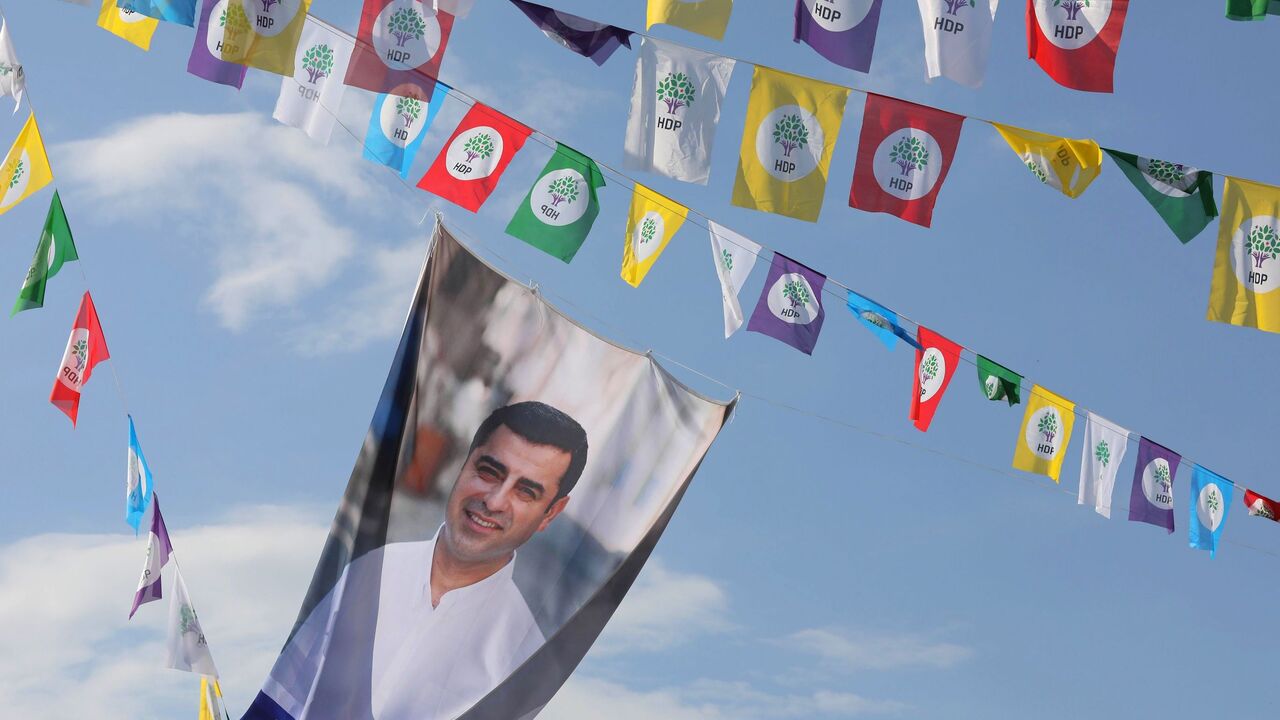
x: 904, y: 154
x: 1262, y: 506
x: 85, y: 348
x: 468, y: 167
x: 937, y: 359
x: 399, y: 47
x: 1075, y: 41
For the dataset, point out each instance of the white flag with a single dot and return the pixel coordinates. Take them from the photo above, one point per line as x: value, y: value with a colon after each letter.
x: 12, y: 79
x: 188, y: 649
x: 1103, y: 452
x: 957, y: 37
x: 456, y: 8
x: 675, y: 106
x: 734, y: 256
x: 310, y: 99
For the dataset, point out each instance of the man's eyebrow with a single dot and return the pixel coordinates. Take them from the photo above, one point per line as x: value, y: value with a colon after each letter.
x: 490, y: 460
x: 532, y: 485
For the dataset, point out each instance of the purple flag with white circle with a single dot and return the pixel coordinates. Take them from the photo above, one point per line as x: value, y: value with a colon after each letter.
x: 158, y: 550
x: 585, y: 37
x: 206, y: 53
x: 790, y: 306
x: 842, y: 31
x: 1151, y: 500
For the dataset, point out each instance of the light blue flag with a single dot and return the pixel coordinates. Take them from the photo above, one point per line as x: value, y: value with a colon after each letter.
x: 878, y: 319
x: 182, y: 12
x: 1210, y: 500
x: 138, y: 486
x: 398, y: 126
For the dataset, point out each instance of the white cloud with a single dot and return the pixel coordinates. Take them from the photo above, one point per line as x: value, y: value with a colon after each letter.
x: 664, y: 609
x: 863, y: 651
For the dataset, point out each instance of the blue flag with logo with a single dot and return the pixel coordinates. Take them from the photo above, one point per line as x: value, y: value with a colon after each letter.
x: 138, y: 484
x: 182, y: 12
x: 397, y: 127
x: 1210, y: 500
x: 878, y: 319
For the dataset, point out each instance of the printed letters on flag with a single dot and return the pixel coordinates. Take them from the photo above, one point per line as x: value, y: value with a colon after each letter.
x: 56, y: 247
x: 1210, y: 501
x: 937, y: 360
x: 1045, y: 433
x: 790, y: 307
x: 586, y: 37
x: 1100, y: 458
x: 132, y: 26
x: 13, y: 79
x: 998, y: 382
x: 1062, y: 163
x: 158, y: 551
x: 1252, y: 9
x: 1262, y: 506
x: 399, y: 48
x: 957, y: 38
x: 469, y: 166
x: 182, y: 12
x: 654, y: 219
x: 138, y: 484
x: 704, y: 17
x: 557, y: 213
x: 879, y: 319
x: 1246, y: 266
x: 264, y: 34
x: 790, y: 132
x: 904, y: 154
x: 1181, y: 194
x: 842, y: 31
x: 86, y: 347
x: 206, y: 52
x: 1151, y: 500
x: 397, y: 127
x: 188, y: 649
x: 26, y: 167
x: 310, y: 98
x: 734, y: 256
x: 1075, y: 41
x: 675, y: 106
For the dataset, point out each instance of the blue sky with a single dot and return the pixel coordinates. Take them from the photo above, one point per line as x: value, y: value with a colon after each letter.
x: 251, y: 284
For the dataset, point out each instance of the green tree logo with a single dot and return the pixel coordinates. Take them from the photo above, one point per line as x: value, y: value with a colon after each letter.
x: 1048, y: 426
x: 409, y: 109
x: 16, y: 171
x: 910, y: 154
x: 928, y: 370
x: 187, y: 621
x: 1036, y: 170
x: 726, y: 259
x: 1102, y: 453
x: 677, y: 91
x: 80, y: 350
x: 791, y: 133
x: 1212, y: 501
x: 563, y: 189
x: 478, y: 146
x: 647, y: 230
x: 1169, y: 173
x: 796, y: 292
x: 406, y: 24
x: 1261, y: 510
x: 1161, y: 475
x: 992, y: 387
x: 5, y: 69
x: 1263, y: 243
x: 318, y: 62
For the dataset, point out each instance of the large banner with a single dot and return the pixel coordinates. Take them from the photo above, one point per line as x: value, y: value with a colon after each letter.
x: 516, y: 476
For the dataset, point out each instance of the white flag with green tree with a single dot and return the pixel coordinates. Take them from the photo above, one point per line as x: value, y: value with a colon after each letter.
x: 12, y: 78
x: 1101, y: 455
x: 734, y: 256
x: 311, y: 97
x: 188, y: 648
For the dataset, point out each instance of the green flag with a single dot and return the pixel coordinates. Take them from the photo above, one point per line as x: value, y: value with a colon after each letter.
x: 55, y: 248
x: 558, y: 211
x: 1181, y: 194
x: 1252, y: 9
x: 998, y: 382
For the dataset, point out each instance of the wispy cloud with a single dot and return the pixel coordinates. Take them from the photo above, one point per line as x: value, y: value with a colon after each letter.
x: 867, y: 651
x: 665, y: 608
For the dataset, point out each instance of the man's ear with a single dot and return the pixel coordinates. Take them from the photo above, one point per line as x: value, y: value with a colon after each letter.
x: 552, y: 511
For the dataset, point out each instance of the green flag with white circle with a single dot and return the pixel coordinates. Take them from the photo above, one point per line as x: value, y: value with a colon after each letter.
x: 55, y: 248
x: 557, y: 213
x: 1181, y: 194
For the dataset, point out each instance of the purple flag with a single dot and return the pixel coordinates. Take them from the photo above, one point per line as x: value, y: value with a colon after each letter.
x: 790, y: 306
x: 842, y: 31
x: 1151, y: 500
x: 158, y: 550
x: 585, y: 37
x: 206, y: 54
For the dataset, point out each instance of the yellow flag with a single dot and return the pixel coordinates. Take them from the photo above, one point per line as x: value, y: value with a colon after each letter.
x: 26, y: 167
x: 264, y: 39
x: 705, y: 17
x: 1246, y: 267
x: 132, y: 26
x: 791, y: 129
x: 654, y: 220
x: 1046, y: 430
x: 1066, y: 164
x: 210, y: 700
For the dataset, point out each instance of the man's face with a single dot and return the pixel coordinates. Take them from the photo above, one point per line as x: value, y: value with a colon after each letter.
x: 503, y: 496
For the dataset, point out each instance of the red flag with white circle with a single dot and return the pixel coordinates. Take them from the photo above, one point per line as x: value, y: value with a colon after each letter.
x: 85, y: 348
x: 1075, y: 41
x: 399, y: 47
x: 468, y: 168
x: 937, y: 359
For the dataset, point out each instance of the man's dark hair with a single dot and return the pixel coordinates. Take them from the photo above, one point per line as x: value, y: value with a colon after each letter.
x: 541, y: 424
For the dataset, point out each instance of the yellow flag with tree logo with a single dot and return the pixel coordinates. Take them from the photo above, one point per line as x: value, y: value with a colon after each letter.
x: 265, y: 35
x: 26, y: 167
x: 1046, y: 430
x: 790, y: 133
x: 705, y: 17
x: 1066, y: 164
x: 653, y: 221
x: 1246, y: 267
x: 128, y: 24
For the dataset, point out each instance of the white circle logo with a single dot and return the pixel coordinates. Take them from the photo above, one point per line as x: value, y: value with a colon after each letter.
x: 1072, y: 24
x: 1044, y: 432
x: 269, y: 18
x: 1168, y: 178
x: 789, y: 143
x: 1255, y: 247
x: 838, y: 15
x: 76, y: 360
x: 218, y: 18
x: 474, y: 154
x: 15, y: 177
x: 406, y: 35
x: 1157, y: 483
x: 792, y: 300
x: 131, y: 16
x: 560, y: 197
x: 1210, y: 507
x: 933, y: 370
x: 402, y: 119
x: 908, y: 163
x: 647, y: 236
